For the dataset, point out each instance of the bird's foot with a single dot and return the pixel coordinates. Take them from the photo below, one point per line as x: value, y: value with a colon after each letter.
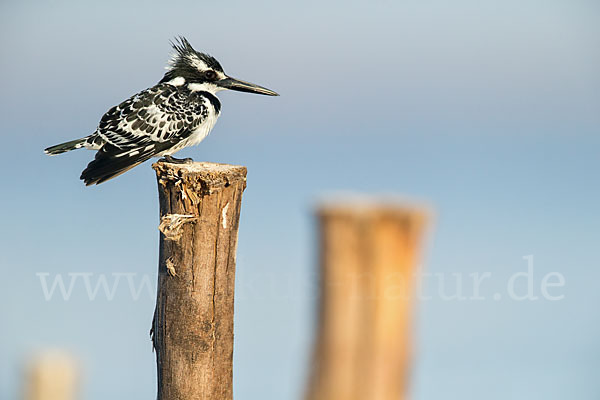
x: 174, y: 160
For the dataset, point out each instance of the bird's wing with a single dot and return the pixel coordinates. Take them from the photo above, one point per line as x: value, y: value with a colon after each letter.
x: 160, y: 114
x: 143, y: 126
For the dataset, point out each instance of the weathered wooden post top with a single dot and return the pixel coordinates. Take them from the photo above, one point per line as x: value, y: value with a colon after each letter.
x: 193, y: 320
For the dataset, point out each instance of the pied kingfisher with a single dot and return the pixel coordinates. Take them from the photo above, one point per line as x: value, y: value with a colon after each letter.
x: 177, y: 112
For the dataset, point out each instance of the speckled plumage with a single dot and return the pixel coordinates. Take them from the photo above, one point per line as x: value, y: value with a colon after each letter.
x: 155, y: 122
x: 178, y: 112
x: 162, y: 113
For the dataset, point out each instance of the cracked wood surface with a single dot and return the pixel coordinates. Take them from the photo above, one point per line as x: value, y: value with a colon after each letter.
x: 193, y: 320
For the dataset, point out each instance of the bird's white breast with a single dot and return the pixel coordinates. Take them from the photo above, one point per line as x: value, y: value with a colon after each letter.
x: 200, y: 133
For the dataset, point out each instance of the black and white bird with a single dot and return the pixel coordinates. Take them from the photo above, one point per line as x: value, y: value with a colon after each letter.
x: 178, y: 112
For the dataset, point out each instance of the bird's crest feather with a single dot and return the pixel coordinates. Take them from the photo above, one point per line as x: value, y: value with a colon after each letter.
x: 185, y: 55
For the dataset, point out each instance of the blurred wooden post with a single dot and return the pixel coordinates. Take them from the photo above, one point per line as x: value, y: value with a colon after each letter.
x: 52, y: 375
x: 193, y: 320
x: 368, y: 262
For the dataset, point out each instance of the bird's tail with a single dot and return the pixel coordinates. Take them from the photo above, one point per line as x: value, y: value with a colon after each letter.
x: 67, y: 146
x: 110, y: 161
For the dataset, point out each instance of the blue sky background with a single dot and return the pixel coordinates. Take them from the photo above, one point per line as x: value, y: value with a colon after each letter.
x: 485, y: 110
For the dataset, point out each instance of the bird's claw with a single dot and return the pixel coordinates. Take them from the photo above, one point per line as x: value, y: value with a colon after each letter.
x: 174, y: 160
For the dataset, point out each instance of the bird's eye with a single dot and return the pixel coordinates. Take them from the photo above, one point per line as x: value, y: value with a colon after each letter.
x: 210, y: 75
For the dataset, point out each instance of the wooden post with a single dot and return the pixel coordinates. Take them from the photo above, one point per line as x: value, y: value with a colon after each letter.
x: 52, y: 375
x: 368, y: 261
x: 193, y: 320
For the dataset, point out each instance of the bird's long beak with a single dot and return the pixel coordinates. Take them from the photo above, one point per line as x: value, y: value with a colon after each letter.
x: 241, y: 86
